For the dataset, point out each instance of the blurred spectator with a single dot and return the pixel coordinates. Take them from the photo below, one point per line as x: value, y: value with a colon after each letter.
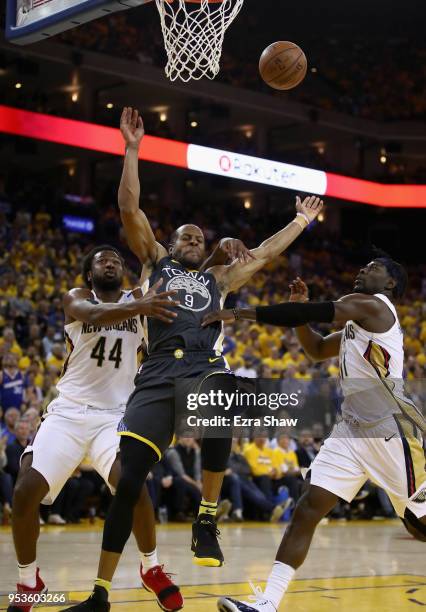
x: 11, y: 383
x: 56, y: 360
x: 306, y: 451
x: 10, y: 419
x: 287, y: 464
x: 243, y: 493
x: 48, y: 341
x: 185, y: 462
x: 6, y: 482
x: 15, y: 449
x: 261, y: 461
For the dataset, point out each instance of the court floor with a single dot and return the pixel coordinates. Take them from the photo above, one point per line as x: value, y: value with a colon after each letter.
x: 370, y: 566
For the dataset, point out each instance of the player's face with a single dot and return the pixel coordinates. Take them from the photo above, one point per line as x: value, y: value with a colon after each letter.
x: 189, y: 248
x: 107, y: 271
x: 373, y: 278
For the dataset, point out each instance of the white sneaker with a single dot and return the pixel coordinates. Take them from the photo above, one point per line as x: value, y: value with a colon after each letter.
x: 257, y: 603
x: 41, y: 520
x: 56, y: 519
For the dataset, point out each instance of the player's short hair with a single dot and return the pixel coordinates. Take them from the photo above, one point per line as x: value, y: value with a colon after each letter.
x: 395, y: 271
x: 88, y: 259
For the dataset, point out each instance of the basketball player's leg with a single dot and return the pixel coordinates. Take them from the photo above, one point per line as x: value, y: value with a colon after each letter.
x: 215, y: 452
x: 31, y: 487
x: 143, y: 516
x: 146, y: 430
x: 313, y: 506
x: 56, y: 451
x: 153, y: 578
x: 335, y: 472
x: 137, y: 460
x: 395, y: 461
x: 105, y: 458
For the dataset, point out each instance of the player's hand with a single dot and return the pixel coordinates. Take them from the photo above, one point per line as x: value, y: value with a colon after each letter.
x: 131, y: 126
x: 218, y: 315
x: 159, y: 305
x: 310, y: 207
x: 236, y: 249
x: 299, y: 291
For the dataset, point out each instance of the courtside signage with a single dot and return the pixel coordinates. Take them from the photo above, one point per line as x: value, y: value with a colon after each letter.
x: 212, y: 161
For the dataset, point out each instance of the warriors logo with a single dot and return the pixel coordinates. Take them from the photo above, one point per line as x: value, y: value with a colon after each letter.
x: 192, y: 294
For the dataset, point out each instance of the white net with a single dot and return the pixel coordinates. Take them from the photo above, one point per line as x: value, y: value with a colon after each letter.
x: 193, y: 35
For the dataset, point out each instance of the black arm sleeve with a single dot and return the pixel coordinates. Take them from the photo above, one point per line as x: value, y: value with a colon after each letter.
x: 294, y: 314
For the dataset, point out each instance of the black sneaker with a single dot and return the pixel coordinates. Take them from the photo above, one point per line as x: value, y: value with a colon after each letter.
x: 205, y: 546
x: 97, y: 602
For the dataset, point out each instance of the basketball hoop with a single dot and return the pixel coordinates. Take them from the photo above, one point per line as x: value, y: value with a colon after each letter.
x: 193, y: 32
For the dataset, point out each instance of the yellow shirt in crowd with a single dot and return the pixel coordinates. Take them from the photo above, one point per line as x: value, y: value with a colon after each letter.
x: 261, y: 460
x: 281, y: 457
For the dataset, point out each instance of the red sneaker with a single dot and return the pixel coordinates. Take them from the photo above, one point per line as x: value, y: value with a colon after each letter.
x: 168, y: 594
x: 40, y: 587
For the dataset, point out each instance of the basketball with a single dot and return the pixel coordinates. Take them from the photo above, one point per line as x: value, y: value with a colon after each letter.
x: 283, y: 65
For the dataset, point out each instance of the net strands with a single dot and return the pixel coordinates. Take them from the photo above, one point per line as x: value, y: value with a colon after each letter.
x: 193, y: 36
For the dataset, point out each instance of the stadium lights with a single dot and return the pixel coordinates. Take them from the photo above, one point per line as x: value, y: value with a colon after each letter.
x: 18, y: 85
x: 74, y: 96
x: 229, y: 164
x: 247, y: 204
x: 163, y: 117
x: 110, y: 105
x: 194, y: 124
x: 383, y: 159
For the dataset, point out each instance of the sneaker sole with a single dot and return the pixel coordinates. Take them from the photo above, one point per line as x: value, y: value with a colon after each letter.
x: 207, y: 562
x: 223, y: 605
x: 158, y: 601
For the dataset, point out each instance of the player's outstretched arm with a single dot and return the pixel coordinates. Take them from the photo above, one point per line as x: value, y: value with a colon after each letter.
x: 358, y: 307
x: 79, y: 306
x: 234, y: 276
x: 316, y: 346
x: 137, y: 229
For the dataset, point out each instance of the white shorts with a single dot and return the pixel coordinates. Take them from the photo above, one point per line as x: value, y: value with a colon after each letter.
x: 68, y: 433
x: 388, y: 454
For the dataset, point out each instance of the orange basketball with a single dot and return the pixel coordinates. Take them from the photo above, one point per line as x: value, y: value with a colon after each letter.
x: 283, y: 65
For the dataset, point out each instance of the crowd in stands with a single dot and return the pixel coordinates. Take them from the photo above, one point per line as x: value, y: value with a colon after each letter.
x: 39, y: 262
x: 360, y: 75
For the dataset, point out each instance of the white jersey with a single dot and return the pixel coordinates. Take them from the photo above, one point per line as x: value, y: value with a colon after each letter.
x: 102, y: 361
x: 371, y: 371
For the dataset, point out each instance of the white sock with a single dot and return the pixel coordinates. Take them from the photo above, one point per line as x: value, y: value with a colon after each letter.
x: 278, y: 582
x: 27, y: 574
x: 149, y: 560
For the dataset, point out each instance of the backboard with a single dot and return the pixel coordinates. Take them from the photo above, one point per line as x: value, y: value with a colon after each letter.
x: 29, y: 21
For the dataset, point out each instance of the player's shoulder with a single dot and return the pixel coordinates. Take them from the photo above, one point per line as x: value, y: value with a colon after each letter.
x: 363, y: 298
x: 77, y: 293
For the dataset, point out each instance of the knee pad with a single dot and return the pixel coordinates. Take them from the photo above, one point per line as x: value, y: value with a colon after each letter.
x: 137, y: 459
x: 414, y: 526
x: 215, y: 454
